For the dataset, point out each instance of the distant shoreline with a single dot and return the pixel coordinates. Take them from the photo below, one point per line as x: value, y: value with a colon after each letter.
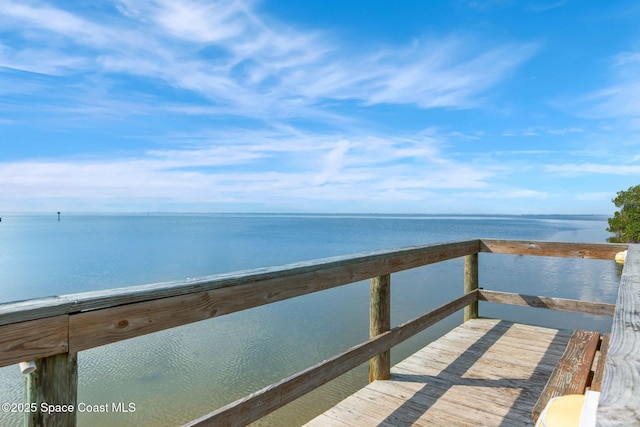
x: 318, y: 214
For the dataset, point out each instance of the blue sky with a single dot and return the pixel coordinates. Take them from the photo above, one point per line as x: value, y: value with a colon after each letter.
x: 458, y: 106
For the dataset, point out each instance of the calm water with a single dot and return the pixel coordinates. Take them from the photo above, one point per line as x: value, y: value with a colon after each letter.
x: 177, y: 375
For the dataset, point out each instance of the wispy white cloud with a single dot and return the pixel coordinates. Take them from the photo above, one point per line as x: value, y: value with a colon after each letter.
x: 574, y: 169
x: 626, y: 58
x: 225, y: 52
x: 543, y: 6
x: 327, y: 168
x: 616, y: 101
x: 48, y: 61
x: 446, y: 73
x: 509, y: 193
x: 334, y: 162
x: 619, y: 99
x: 536, y: 131
x: 198, y: 22
x: 593, y: 196
x: 523, y: 153
x: 216, y: 59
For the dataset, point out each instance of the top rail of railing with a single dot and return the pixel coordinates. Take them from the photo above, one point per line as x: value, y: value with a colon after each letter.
x: 620, y: 395
x: 46, y: 326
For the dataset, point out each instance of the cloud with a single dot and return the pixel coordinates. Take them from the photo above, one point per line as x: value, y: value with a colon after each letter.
x: 543, y: 6
x: 618, y: 100
x: 536, y: 131
x: 48, y: 61
x: 260, y: 169
x: 594, y: 196
x: 250, y: 86
x: 209, y: 22
x: 443, y: 73
x: 247, y: 65
x: 509, y: 193
x: 334, y: 161
x: 575, y: 169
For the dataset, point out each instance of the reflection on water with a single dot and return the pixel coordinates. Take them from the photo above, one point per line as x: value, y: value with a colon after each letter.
x: 177, y: 375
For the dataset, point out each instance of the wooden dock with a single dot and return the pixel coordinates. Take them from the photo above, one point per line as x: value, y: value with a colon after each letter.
x: 484, y: 372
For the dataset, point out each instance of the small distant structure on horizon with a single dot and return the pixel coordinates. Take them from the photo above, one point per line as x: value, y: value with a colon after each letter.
x: 58, y: 216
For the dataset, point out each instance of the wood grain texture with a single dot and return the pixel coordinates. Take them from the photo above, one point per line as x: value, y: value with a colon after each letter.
x: 103, y: 326
x: 217, y: 295
x: 562, y: 304
x: 22, y: 311
x: 571, y: 374
x: 259, y: 404
x: 471, y: 284
x: 54, y: 382
x: 471, y: 376
x: 379, y: 323
x: 280, y: 282
x: 620, y: 394
x: 54, y: 325
x: 555, y: 249
x: 598, y: 373
x: 33, y: 340
x: 99, y: 327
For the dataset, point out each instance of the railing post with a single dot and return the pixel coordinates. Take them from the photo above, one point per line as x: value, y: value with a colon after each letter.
x: 53, y: 386
x: 471, y: 284
x: 380, y: 322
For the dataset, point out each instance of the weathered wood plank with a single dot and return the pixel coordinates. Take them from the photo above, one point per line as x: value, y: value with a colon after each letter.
x: 510, y: 337
x: 55, y: 383
x: 492, y: 405
x: 562, y: 304
x: 197, y: 299
x: 34, y: 339
x: 572, y: 372
x: 22, y: 311
x: 377, y: 405
x: 530, y: 337
x: 264, y: 285
x: 100, y: 327
x: 620, y: 395
x: 256, y: 405
x: 555, y: 249
x: 482, y: 372
x: 527, y: 342
x: 505, y: 394
x: 598, y: 373
x: 488, y: 357
x: 528, y: 358
x: 446, y: 404
x: 328, y: 418
x: 380, y: 322
x: 457, y: 384
x: 279, y: 283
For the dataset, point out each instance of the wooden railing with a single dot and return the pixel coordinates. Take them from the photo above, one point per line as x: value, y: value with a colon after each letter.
x: 53, y: 330
x: 620, y: 395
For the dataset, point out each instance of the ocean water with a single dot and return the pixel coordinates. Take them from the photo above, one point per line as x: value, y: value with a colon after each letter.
x: 174, y: 376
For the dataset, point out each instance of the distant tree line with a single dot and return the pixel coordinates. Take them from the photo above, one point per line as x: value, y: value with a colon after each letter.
x: 625, y: 223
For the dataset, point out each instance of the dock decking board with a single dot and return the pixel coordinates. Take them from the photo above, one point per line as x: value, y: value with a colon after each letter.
x: 484, y: 372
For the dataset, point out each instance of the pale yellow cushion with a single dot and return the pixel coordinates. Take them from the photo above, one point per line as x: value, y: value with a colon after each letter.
x: 563, y: 411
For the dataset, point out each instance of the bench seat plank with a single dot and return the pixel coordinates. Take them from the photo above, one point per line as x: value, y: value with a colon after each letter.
x: 598, y: 373
x: 571, y: 374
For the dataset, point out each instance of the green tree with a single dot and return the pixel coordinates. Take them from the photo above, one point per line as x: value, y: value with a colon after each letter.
x: 625, y: 223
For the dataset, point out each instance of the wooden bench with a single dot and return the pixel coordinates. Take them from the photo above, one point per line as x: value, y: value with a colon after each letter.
x: 575, y: 371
